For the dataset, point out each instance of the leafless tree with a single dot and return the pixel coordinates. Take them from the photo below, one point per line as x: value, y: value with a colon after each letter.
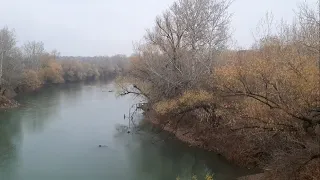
x: 309, y: 21
x: 179, y: 51
x: 309, y: 31
x: 33, y: 51
x: 7, y: 44
x: 55, y: 53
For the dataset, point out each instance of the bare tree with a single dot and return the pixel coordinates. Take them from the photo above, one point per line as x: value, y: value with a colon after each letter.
x: 33, y: 51
x: 309, y: 27
x: 55, y: 53
x: 7, y: 43
x: 179, y: 51
x: 13, y: 68
x: 309, y: 36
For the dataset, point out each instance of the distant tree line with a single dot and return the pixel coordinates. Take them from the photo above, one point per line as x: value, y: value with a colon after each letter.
x: 28, y: 67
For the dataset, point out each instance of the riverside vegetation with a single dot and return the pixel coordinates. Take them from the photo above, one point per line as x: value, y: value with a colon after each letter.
x: 30, y: 67
x: 258, y: 107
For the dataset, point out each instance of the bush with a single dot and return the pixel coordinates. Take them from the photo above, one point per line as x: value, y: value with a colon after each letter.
x: 189, y: 100
x: 30, y: 81
x: 266, y: 97
x: 51, y: 72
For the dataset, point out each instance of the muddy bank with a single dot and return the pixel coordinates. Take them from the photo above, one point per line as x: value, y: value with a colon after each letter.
x: 6, y: 103
x: 234, y: 148
x: 255, y: 152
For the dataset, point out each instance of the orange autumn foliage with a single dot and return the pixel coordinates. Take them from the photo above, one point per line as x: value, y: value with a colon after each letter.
x: 51, y: 72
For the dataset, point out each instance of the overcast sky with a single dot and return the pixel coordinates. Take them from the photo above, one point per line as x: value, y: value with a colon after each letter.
x: 108, y: 27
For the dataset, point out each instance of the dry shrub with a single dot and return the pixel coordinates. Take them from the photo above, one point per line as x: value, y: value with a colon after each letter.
x: 164, y: 107
x: 7, y: 103
x: 266, y: 99
x: 92, y: 72
x: 311, y: 171
x: 51, y: 72
x: 275, y: 91
x: 278, y: 77
x: 298, y: 163
x: 189, y: 100
x: 30, y: 80
x: 74, y: 71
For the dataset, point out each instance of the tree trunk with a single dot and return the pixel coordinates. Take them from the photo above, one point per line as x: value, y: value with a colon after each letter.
x: 1, y: 62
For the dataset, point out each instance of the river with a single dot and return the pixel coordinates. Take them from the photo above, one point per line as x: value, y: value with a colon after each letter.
x: 55, y: 135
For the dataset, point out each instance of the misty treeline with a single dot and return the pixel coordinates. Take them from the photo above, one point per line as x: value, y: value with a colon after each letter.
x: 258, y: 106
x: 28, y: 67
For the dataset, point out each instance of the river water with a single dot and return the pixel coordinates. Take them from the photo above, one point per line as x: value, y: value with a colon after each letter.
x: 56, y: 133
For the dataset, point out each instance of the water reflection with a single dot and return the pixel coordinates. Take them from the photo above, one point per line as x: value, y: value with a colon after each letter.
x: 56, y: 133
x: 38, y: 110
x: 170, y: 159
x: 10, y: 141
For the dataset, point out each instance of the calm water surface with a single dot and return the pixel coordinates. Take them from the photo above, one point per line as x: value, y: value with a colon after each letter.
x: 56, y: 133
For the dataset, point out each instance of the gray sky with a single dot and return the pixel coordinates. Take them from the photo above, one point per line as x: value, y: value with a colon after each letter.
x: 108, y: 27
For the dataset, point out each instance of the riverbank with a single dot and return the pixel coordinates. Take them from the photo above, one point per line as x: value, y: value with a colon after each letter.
x: 8, y: 100
x: 219, y: 142
x: 235, y: 148
x: 6, y: 103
